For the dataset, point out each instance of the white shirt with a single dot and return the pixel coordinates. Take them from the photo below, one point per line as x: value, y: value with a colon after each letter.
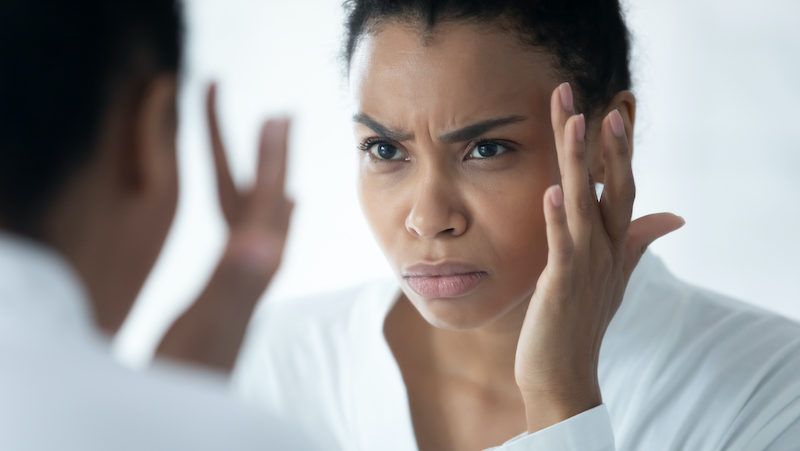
x: 61, y: 390
x: 681, y: 368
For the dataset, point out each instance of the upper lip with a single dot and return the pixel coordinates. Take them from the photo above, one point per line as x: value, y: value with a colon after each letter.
x: 447, y: 268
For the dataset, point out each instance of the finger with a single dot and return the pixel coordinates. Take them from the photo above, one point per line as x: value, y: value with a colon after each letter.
x: 642, y: 232
x: 619, y: 189
x: 271, y: 175
x: 559, y: 240
x: 561, y: 109
x: 580, y: 199
x: 228, y: 195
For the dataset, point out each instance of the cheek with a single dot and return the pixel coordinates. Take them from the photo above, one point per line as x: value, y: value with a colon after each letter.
x: 513, y: 225
x: 381, y: 206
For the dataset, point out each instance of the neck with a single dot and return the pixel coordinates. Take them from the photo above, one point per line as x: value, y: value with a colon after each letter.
x: 90, y: 250
x: 84, y: 224
x: 483, y: 357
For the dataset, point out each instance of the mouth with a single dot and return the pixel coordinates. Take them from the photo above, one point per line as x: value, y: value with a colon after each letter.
x: 444, y: 280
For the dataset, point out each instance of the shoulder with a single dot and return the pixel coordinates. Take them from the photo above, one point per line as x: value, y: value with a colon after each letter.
x: 81, y: 398
x: 315, y: 328
x: 683, y: 354
x: 299, y: 355
x: 323, y: 319
x: 659, y: 305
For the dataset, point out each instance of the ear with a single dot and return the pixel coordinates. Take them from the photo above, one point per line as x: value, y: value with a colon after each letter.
x: 625, y: 103
x: 148, y: 165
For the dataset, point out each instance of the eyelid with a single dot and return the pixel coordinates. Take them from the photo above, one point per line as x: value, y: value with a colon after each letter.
x: 508, y: 145
x: 368, y: 143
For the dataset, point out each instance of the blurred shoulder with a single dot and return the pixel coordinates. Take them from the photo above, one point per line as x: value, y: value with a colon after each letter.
x: 74, y: 391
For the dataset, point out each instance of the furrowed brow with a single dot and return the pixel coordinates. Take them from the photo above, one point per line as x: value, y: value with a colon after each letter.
x: 382, y: 130
x: 476, y: 130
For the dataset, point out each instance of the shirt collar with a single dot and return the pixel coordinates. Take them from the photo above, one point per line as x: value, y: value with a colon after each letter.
x: 39, y: 290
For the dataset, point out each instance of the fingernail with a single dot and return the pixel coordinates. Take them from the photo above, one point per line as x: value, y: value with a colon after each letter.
x: 557, y: 196
x: 279, y: 123
x: 580, y: 127
x: 616, y: 123
x: 566, y: 96
x: 276, y: 126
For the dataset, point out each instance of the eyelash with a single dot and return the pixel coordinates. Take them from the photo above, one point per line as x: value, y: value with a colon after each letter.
x: 367, y: 144
x: 473, y: 144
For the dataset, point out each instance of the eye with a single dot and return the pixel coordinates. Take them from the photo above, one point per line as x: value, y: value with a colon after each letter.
x: 384, y: 151
x: 487, y: 149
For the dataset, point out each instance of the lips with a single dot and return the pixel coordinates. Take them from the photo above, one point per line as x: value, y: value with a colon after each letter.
x: 444, y: 280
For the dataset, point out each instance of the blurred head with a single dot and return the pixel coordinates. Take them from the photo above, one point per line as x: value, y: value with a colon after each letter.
x: 453, y: 123
x: 87, y: 135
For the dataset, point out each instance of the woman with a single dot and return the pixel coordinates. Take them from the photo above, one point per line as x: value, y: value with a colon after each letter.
x: 483, y: 126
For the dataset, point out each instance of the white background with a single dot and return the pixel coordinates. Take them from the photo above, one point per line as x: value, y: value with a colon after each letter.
x: 718, y: 84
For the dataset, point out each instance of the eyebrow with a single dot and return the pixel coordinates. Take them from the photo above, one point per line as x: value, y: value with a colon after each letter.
x: 382, y: 130
x: 463, y: 134
x: 473, y: 131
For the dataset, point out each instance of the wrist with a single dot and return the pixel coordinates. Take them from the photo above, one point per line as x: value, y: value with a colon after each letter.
x: 251, y: 255
x: 554, y: 403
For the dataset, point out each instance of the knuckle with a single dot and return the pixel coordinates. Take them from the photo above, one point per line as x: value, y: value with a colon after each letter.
x: 566, y: 250
x: 622, y: 149
x: 617, y: 239
x: 626, y: 192
x: 585, y: 206
x: 629, y: 191
x: 579, y: 153
x: 603, y: 263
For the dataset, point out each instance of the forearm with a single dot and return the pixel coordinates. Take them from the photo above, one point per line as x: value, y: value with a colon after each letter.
x: 211, y: 331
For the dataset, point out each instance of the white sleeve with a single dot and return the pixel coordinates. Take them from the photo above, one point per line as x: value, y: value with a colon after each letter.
x: 588, y: 431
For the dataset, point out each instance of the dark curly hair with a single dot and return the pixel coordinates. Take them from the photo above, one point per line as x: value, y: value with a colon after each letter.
x: 59, y: 64
x: 588, y: 38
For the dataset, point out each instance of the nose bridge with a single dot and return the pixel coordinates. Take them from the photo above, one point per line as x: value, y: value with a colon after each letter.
x: 437, y: 207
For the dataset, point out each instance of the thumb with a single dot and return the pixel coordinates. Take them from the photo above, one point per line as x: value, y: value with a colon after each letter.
x: 642, y: 232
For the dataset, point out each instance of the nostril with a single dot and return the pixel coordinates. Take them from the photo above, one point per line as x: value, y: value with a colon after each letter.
x: 449, y: 230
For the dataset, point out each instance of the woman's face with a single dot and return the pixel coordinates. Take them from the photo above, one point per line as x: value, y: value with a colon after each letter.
x: 457, y: 150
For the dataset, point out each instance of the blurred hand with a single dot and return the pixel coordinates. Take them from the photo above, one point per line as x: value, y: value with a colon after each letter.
x: 257, y: 218
x: 593, y: 249
x: 211, y: 331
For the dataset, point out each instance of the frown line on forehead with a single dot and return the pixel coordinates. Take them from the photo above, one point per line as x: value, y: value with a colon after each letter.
x: 466, y: 133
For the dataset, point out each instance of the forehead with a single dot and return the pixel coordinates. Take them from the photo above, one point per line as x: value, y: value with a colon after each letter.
x: 456, y: 73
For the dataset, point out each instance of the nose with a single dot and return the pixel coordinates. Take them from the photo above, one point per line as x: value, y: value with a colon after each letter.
x: 437, y: 210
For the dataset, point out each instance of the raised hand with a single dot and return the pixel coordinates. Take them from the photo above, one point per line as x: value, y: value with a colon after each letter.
x: 211, y: 331
x: 258, y: 218
x: 593, y: 249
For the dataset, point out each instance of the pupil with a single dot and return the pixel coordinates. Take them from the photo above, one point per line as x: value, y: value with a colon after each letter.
x: 386, y: 152
x: 487, y: 150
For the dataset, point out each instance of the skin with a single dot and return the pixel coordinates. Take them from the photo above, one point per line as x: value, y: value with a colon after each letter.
x: 519, y: 352
x: 211, y: 331
x: 111, y: 217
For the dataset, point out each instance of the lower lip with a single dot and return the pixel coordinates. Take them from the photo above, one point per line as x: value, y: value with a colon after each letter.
x: 432, y: 287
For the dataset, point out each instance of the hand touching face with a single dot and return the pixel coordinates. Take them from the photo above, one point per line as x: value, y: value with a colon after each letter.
x: 456, y: 152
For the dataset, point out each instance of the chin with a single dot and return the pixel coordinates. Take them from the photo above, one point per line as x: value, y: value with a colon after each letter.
x: 463, y: 313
